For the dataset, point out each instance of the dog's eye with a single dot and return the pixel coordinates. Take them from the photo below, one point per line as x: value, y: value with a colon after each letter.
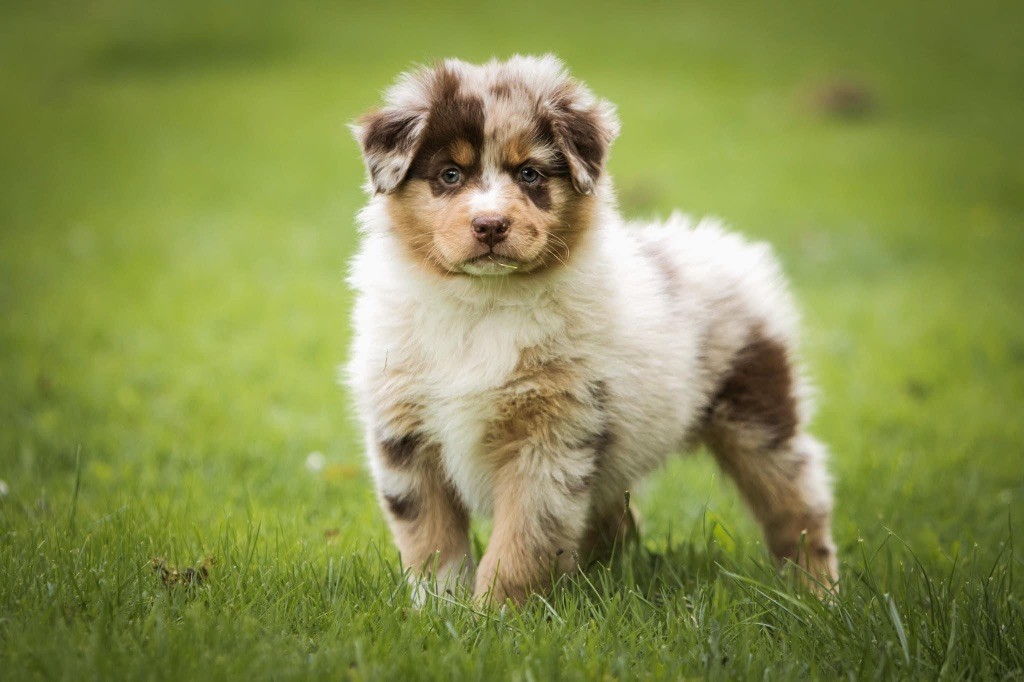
x: 529, y: 175
x: 451, y: 176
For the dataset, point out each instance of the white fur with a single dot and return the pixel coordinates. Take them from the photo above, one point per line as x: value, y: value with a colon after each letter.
x: 454, y: 340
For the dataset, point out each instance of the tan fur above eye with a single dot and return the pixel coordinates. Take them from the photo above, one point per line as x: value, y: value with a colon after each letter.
x: 463, y: 153
x: 516, y: 151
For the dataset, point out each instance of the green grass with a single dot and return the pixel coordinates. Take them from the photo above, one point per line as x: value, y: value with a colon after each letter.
x: 177, y: 194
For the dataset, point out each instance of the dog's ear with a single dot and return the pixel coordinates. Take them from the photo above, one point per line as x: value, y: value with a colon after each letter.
x: 389, y: 139
x: 584, y: 128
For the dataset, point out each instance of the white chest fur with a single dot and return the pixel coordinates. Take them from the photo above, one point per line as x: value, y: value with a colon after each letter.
x: 462, y: 363
x: 448, y: 358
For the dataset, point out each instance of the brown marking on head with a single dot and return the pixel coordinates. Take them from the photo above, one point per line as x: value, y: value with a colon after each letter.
x: 454, y: 127
x: 463, y: 153
x: 516, y: 150
x: 469, y: 132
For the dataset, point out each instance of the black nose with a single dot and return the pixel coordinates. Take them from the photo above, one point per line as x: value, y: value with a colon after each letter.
x: 490, y: 229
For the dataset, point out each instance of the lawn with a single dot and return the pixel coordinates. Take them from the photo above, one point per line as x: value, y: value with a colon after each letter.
x: 177, y: 192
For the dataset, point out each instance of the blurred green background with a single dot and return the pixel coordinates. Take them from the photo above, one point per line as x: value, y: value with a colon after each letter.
x: 177, y: 192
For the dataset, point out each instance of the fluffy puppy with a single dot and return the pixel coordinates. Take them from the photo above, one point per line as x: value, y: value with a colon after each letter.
x: 521, y: 351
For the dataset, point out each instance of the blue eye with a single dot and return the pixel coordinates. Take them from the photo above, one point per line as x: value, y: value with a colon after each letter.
x: 451, y: 176
x: 529, y: 175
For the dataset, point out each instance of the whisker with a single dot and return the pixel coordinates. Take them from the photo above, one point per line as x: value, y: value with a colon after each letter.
x: 548, y: 250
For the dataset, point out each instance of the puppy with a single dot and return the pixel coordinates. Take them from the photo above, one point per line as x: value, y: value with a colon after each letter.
x: 522, y: 352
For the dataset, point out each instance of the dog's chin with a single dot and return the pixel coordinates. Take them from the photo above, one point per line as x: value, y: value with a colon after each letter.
x: 492, y: 265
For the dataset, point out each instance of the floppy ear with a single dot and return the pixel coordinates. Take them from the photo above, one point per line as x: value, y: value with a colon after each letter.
x: 389, y: 139
x: 584, y: 128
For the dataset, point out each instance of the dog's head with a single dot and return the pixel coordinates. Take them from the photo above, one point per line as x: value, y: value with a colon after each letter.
x: 488, y: 170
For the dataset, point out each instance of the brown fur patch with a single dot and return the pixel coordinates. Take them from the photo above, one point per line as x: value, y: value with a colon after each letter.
x: 582, y: 135
x: 750, y: 431
x: 516, y: 151
x: 547, y: 406
x: 539, y: 193
x: 452, y: 116
x: 804, y: 539
x: 541, y: 394
x: 759, y: 390
x: 574, y: 215
x: 400, y: 452
x: 404, y: 507
x: 389, y: 129
x: 429, y: 521
x: 415, y: 213
x: 463, y: 153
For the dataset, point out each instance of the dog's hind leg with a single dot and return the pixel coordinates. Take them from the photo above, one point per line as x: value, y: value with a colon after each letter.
x: 754, y: 430
x: 610, y: 529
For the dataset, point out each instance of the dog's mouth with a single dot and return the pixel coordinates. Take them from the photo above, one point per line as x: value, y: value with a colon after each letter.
x: 491, y: 265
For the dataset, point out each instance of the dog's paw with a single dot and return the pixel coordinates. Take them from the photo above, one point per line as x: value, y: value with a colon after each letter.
x: 450, y: 586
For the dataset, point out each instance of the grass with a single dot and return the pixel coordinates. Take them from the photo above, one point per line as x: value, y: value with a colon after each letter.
x: 175, y: 215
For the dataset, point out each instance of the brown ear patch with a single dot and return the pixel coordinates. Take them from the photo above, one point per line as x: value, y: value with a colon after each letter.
x: 579, y: 132
x: 388, y: 139
x: 389, y: 129
x: 584, y: 134
x: 759, y: 390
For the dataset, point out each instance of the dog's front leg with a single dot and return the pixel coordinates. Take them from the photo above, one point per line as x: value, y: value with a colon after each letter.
x: 426, y: 516
x: 541, y: 508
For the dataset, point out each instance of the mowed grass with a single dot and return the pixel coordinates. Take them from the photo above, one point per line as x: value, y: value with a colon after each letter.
x: 177, y: 193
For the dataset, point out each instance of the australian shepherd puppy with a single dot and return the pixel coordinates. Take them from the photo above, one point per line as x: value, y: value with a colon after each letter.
x: 523, y: 352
